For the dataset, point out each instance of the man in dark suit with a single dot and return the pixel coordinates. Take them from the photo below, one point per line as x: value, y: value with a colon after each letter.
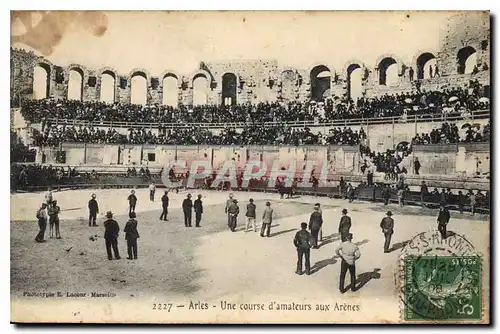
x: 187, y: 208
x: 344, y: 225
x: 424, y: 192
x: 131, y: 235
x: 42, y: 217
x: 111, y: 236
x: 443, y: 220
x: 315, y: 222
x: 303, y: 241
x: 198, y: 209
x: 228, y: 204
x: 233, y: 212
x: 93, y: 211
x: 387, y: 226
x: 164, y: 205
x: 132, y: 201
x: 386, y: 194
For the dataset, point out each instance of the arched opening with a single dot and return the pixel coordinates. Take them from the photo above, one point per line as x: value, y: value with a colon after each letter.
x: 200, y: 90
x: 388, y: 72
x: 75, y: 84
x: 170, y: 88
x: 41, y: 82
x: 229, y: 83
x: 354, y: 82
x: 466, y: 58
x: 139, y: 88
x: 424, y: 63
x: 320, y: 82
x: 108, y: 83
x: 288, y: 85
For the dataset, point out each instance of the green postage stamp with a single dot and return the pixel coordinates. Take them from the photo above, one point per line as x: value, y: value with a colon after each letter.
x: 442, y: 288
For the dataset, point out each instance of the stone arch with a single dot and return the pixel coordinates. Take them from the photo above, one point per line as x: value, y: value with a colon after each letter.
x: 463, y: 57
x: 75, y: 89
x: 320, y: 86
x: 139, y: 87
x: 229, y: 88
x: 382, y: 66
x: 420, y: 62
x: 193, y: 75
x: 174, y: 74
x: 170, y: 93
x: 42, y: 79
x: 200, y: 94
x: 107, y: 81
x: 354, y: 72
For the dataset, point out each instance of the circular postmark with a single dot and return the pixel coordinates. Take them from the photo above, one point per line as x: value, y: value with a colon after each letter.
x: 440, y: 278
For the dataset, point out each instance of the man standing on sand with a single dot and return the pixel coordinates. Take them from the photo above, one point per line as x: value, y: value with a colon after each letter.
x: 152, y: 189
x: 53, y: 212
x: 131, y: 235
x: 315, y: 222
x: 132, y: 201
x: 187, y: 208
x: 233, y: 212
x: 344, y: 225
x: 42, y: 217
x: 164, y: 205
x: 303, y: 241
x: 228, y: 204
x: 267, y: 220
x: 250, y: 215
x: 387, y: 226
x: 349, y: 253
x: 93, y: 211
x: 320, y: 234
x: 443, y: 219
x: 198, y: 210
x: 111, y: 236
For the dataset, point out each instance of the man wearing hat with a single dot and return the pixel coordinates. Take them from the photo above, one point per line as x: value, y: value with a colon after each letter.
x: 315, y: 222
x: 228, y: 204
x: 320, y: 234
x: 42, y: 217
x: 131, y: 235
x: 111, y: 230
x: 53, y: 212
x: 187, y: 208
x: 164, y: 205
x: 233, y: 212
x: 345, y: 225
x: 93, y: 211
x: 303, y: 242
x: 267, y: 220
x: 198, y: 210
x: 250, y: 215
x: 443, y: 219
x: 387, y: 225
x: 132, y: 201
x: 349, y: 253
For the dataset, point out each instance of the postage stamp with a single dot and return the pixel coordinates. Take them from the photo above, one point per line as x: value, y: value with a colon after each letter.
x: 442, y: 288
x: 441, y: 279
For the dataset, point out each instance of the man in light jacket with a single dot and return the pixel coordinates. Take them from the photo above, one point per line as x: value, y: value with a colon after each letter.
x: 267, y: 220
x: 349, y: 253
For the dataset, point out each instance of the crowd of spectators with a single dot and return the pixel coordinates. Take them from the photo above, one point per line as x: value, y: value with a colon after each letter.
x: 450, y: 134
x: 185, y: 134
x: 457, y: 100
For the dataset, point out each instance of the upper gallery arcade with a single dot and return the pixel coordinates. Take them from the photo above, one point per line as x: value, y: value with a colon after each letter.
x: 464, y: 52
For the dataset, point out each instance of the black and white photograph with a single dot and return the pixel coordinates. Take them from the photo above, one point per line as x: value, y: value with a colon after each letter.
x: 250, y: 167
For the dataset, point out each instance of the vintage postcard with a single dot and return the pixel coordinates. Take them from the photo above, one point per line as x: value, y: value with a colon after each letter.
x: 250, y: 167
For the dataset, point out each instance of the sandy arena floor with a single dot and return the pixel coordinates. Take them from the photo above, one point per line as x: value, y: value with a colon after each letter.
x: 210, y: 264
